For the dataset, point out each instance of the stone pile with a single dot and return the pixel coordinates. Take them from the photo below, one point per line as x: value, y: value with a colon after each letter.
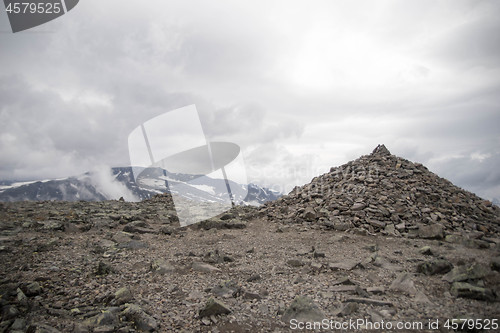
x: 383, y: 193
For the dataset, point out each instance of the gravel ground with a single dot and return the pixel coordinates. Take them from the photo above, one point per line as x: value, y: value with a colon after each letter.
x: 71, y: 267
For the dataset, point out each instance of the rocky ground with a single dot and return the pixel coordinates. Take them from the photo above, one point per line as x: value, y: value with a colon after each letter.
x: 121, y: 268
x: 115, y: 266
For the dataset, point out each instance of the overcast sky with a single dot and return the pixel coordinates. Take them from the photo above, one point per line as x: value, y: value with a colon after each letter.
x: 300, y: 85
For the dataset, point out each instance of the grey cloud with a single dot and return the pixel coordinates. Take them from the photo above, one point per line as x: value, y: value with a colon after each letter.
x: 472, y: 42
x: 424, y: 81
x: 248, y: 124
x: 479, y: 175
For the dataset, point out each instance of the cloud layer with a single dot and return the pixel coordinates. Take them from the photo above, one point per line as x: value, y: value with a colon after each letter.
x: 300, y: 86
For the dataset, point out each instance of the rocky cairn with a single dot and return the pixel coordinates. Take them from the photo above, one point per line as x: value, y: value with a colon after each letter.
x: 383, y: 193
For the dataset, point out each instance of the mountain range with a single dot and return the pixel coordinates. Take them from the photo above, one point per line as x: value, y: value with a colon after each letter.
x: 120, y: 182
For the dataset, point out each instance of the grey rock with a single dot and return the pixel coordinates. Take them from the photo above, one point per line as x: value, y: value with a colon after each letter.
x: 104, y: 244
x: 295, y: 263
x: 219, y: 224
x: 214, y: 307
x: 467, y: 290
x: 133, y: 245
x: 123, y: 295
x: 167, y: 230
x: 426, y: 250
x: 309, y: 214
x: 341, y: 226
x: 70, y: 227
x: 316, y: 266
x: 365, y: 263
x: 82, y: 328
x: 456, y: 239
x: 358, y: 206
x: 422, y: 298
x: 361, y: 292
x: 400, y: 227
x: 375, y: 315
x: 203, y: 267
x: 53, y: 225
x: 404, y: 283
x: 41, y: 328
x: 226, y: 289
x: 227, y: 216
x: 344, y: 288
x: 121, y: 237
x: 319, y: 254
x: 250, y: 295
x: 495, y: 264
x: 370, y: 301
x: 140, y: 318
x: 385, y: 263
x: 476, y: 244
x: 103, y: 268
x: 9, y: 312
x: 433, y: 231
x: 375, y: 290
x: 303, y: 309
x: 104, y: 318
x: 345, y: 265
x: 371, y: 247
x: 21, y: 297
x: 254, y: 277
x: 234, y: 224
x: 348, y: 309
x: 381, y: 150
x: 138, y: 227
x: 161, y: 266
x: 214, y: 257
x: 19, y: 324
x: 33, y: 289
x: 439, y: 266
x: 376, y: 223
x: 387, y: 313
x: 344, y: 280
x: 466, y: 273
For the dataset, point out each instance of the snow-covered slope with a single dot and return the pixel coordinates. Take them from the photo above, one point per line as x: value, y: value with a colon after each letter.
x: 119, y: 182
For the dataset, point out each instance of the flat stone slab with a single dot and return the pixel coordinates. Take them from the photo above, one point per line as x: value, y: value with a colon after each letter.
x: 203, y: 267
x: 343, y: 288
x: 346, y: 265
x: 371, y: 301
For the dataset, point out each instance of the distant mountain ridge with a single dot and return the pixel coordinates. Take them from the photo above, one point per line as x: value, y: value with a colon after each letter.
x: 120, y: 182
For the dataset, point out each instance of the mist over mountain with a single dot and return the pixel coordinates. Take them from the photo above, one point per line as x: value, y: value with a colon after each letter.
x: 119, y: 182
